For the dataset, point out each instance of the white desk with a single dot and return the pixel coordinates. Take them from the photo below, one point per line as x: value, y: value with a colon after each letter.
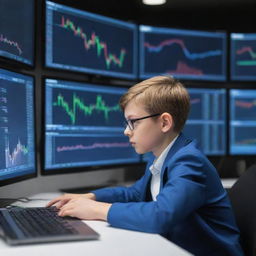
x: 112, y: 242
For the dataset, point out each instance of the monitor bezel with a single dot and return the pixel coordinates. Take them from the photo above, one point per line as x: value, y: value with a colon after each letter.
x: 99, y: 73
x: 35, y: 173
x: 72, y: 169
x: 17, y: 63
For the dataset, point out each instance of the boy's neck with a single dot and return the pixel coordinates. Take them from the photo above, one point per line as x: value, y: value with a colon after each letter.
x: 165, y: 143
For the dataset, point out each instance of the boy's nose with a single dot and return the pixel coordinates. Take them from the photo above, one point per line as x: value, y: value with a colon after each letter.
x: 127, y: 131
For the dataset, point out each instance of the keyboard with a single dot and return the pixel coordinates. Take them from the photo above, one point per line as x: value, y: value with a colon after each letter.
x: 32, y: 225
x: 5, y: 202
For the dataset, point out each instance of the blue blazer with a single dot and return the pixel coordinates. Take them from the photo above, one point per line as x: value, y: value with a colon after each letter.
x: 192, y: 208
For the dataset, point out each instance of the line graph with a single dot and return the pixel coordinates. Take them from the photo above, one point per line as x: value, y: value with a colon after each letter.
x: 245, y: 104
x: 187, y: 53
x: 246, y: 51
x: 244, y: 136
x: 92, y: 148
x: 247, y: 142
x: 243, y: 56
x: 194, y: 101
x: 95, y: 145
x: 245, y: 109
x: 17, y: 30
x: 5, y: 40
x: 94, y: 41
x: 184, y: 54
x: 243, y: 140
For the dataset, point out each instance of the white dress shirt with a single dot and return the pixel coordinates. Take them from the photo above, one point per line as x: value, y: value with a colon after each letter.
x: 155, y: 169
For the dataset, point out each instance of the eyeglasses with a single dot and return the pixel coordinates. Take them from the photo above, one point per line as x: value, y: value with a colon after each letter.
x: 130, y: 122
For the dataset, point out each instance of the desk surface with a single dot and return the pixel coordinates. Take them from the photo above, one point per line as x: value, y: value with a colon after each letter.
x: 112, y: 241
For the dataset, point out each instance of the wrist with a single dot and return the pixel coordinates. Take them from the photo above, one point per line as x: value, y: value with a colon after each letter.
x: 91, y: 196
x: 102, y: 211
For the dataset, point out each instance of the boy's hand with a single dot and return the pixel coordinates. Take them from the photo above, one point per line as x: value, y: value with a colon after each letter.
x: 64, y: 199
x: 86, y: 209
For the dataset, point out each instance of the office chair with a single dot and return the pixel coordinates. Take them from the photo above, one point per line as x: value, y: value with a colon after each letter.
x: 243, y: 199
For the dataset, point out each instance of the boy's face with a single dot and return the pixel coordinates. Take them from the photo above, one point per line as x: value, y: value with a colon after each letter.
x: 147, y: 135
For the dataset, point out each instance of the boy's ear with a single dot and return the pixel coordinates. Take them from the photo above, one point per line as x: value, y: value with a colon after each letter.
x: 167, y: 122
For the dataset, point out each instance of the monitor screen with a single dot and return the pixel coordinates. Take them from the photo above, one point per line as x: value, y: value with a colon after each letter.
x: 243, y: 56
x: 85, y: 42
x: 17, y: 131
x: 84, y: 127
x: 242, y: 122
x: 17, y: 30
x: 185, y: 54
x: 207, y: 120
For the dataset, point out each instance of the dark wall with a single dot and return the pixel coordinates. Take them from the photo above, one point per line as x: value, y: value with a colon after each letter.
x: 237, y: 17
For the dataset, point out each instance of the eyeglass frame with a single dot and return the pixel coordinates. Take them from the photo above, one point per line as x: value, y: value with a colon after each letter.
x: 130, y: 122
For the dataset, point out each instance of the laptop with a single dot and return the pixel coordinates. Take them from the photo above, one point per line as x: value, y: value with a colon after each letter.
x: 41, y: 225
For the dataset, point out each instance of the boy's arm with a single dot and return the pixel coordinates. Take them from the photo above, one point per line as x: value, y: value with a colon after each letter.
x: 133, y: 193
x: 181, y: 196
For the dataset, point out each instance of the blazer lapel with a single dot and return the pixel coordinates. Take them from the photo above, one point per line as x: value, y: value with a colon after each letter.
x: 148, y: 176
x: 178, y: 144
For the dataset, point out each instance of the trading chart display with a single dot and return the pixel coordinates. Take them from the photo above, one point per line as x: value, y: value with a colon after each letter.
x: 207, y: 120
x: 84, y: 126
x: 243, y: 56
x: 185, y: 54
x: 85, y: 42
x: 17, y: 30
x: 242, y: 122
x: 17, y: 154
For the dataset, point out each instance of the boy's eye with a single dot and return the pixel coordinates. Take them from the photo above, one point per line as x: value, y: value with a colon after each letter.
x: 134, y: 122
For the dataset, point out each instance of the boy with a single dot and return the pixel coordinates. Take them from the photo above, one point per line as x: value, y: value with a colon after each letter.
x: 180, y: 195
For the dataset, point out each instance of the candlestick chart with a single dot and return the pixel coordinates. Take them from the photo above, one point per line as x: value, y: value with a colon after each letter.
x: 94, y: 41
x: 81, y: 108
x: 90, y: 43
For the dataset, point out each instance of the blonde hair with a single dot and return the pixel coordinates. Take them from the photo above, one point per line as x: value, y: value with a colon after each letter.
x: 161, y: 94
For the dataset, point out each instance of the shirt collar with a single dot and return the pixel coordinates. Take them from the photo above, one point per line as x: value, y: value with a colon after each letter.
x: 157, y: 165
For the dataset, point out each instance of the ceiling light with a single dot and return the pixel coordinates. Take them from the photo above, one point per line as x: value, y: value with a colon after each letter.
x: 154, y: 2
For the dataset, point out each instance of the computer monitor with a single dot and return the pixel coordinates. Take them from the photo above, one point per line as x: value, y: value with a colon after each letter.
x: 242, y: 126
x: 185, y: 54
x: 84, y: 127
x: 243, y: 56
x: 80, y: 41
x: 207, y: 119
x: 17, y: 30
x: 17, y: 130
